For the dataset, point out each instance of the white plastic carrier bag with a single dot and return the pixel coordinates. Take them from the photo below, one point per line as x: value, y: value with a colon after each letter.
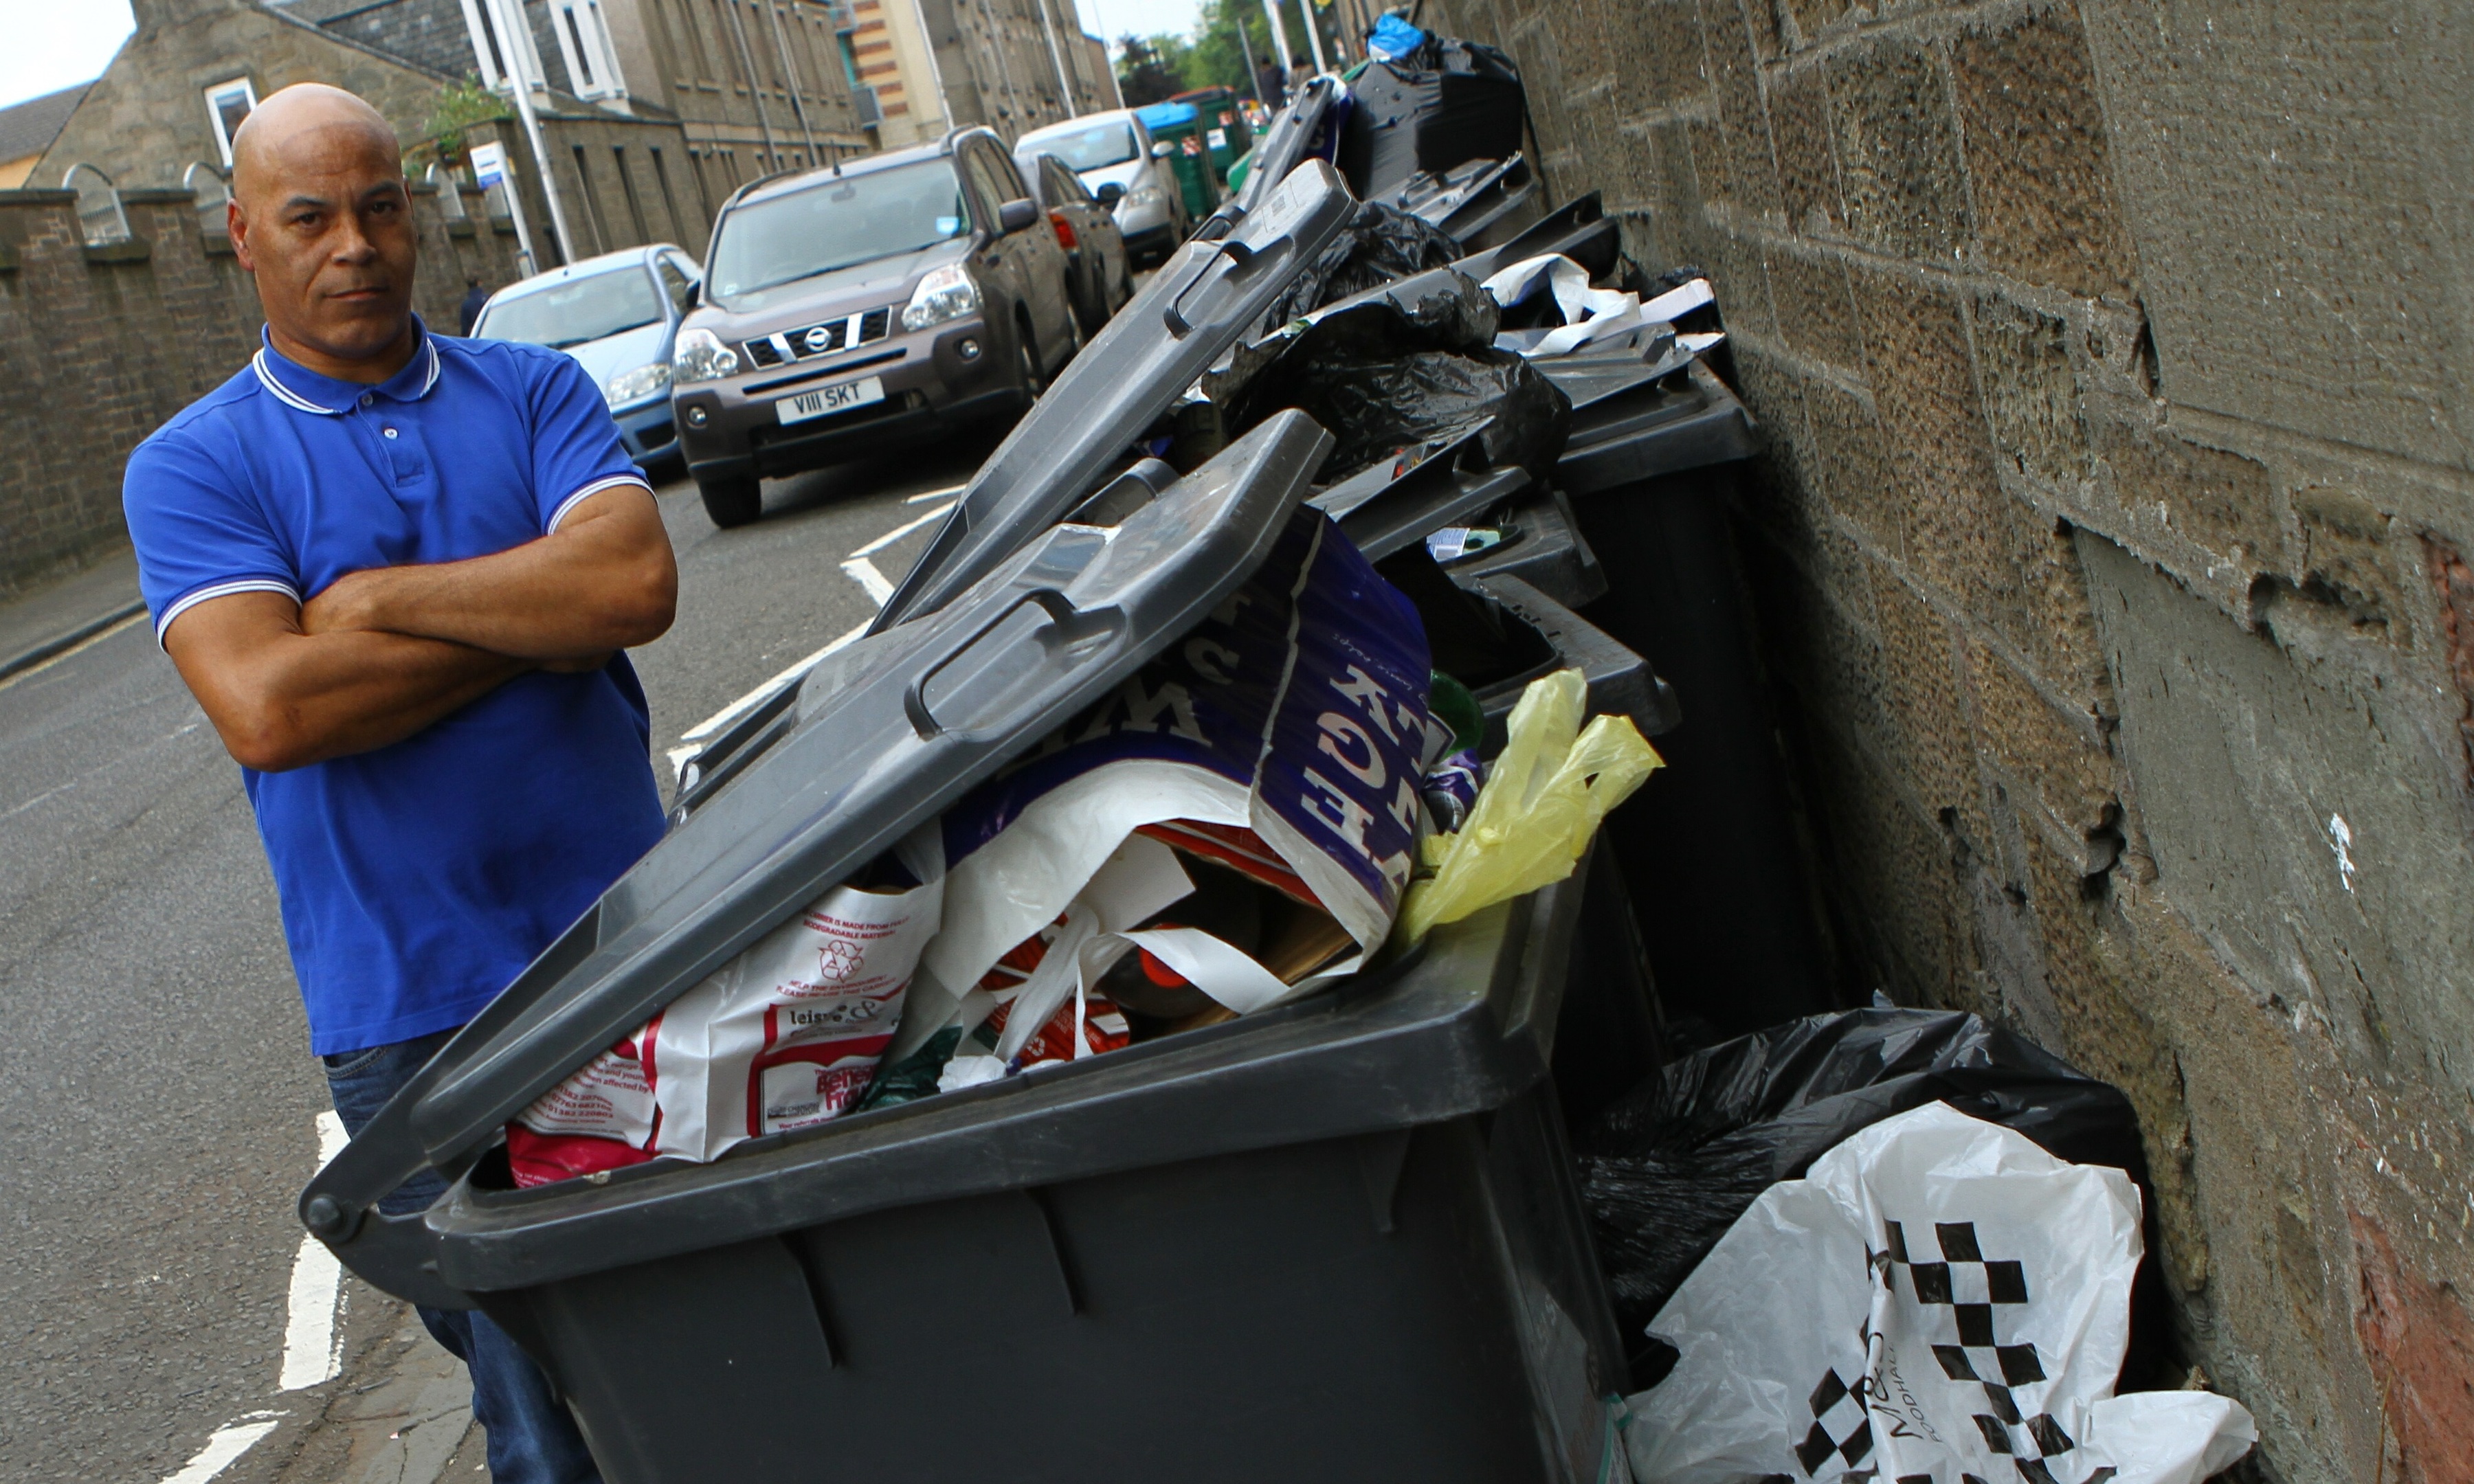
x: 784, y: 1035
x: 1936, y: 1299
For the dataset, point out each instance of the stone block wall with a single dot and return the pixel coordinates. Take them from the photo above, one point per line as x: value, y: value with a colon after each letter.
x: 2111, y: 552
x: 99, y: 344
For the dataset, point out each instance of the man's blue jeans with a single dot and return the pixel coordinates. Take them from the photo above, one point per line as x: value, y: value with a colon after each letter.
x: 532, y: 1438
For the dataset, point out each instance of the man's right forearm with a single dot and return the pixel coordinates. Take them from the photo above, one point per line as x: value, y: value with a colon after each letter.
x: 306, y: 699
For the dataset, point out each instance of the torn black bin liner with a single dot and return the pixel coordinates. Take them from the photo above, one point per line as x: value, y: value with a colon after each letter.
x: 1388, y: 379
x: 1379, y: 245
x: 1668, y: 1167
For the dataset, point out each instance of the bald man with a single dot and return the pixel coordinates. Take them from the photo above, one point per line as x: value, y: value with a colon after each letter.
x: 397, y: 572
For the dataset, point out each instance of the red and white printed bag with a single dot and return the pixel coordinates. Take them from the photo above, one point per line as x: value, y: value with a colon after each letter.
x: 785, y: 1036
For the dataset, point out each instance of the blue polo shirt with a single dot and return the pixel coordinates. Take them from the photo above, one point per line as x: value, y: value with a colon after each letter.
x: 419, y: 879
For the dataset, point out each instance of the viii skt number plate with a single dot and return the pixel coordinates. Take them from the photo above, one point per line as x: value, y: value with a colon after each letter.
x: 838, y: 397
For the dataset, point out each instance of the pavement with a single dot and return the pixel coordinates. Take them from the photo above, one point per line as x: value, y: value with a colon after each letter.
x: 162, y: 1318
x: 66, y: 611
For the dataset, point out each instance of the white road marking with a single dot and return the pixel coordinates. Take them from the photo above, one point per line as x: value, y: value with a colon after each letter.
x: 873, y: 582
x: 901, y: 531
x: 730, y: 713
x: 227, y: 1444
x: 925, y: 495
x: 313, y: 1350
x: 871, y: 579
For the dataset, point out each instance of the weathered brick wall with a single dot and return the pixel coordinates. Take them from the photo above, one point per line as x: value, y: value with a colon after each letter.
x: 2110, y: 548
x: 98, y: 345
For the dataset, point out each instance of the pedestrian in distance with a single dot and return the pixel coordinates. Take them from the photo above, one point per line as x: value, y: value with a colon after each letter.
x: 469, y: 311
x: 1271, y: 86
x: 397, y: 569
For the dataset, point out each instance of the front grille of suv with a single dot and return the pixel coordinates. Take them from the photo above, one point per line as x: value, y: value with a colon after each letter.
x: 825, y: 338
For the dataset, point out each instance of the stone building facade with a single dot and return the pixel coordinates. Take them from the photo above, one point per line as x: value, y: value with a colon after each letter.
x: 2112, y: 552
x: 950, y: 63
x: 624, y: 178
x: 127, y: 333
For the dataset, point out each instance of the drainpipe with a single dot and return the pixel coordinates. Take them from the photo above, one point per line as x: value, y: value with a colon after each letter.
x: 936, y: 73
x: 1056, y: 60
x: 755, y: 89
x: 790, y: 78
x: 515, y: 42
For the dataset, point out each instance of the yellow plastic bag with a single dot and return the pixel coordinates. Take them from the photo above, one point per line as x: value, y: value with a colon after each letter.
x: 1540, y: 806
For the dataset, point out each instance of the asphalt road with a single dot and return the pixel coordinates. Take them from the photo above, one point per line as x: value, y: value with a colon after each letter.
x: 156, y: 1095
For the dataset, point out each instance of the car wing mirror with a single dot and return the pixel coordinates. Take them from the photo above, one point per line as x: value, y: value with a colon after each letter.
x: 1016, y: 215
x: 1109, y: 194
x: 1162, y: 149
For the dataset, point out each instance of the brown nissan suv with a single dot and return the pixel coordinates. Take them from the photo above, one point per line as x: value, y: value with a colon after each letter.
x: 855, y: 311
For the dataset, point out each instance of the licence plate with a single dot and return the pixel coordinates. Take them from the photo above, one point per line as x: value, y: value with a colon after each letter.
x: 838, y: 397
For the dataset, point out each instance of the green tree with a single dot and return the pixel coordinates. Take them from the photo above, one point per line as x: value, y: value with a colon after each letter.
x: 458, y: 107
x: 1216, y: 59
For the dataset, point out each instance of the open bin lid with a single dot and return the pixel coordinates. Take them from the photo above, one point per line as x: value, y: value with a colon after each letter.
x: 890, y: 732
x: 1207, y: 295
x: 1286, y: 141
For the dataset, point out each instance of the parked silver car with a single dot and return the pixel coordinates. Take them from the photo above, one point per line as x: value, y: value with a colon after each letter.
x: 1115, y: 149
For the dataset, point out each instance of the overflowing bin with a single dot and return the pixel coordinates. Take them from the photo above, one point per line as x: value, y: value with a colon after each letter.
x: 1336, y: 1237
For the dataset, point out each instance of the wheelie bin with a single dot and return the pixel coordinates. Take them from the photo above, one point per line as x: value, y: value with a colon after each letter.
x: 1178, y: 129
x: 1338, y: 1239
x: 1711, y: 854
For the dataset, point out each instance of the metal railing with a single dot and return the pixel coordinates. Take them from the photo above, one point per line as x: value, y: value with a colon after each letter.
x: 208, y: 183
x: 450, y: 191
x: 101, y: 219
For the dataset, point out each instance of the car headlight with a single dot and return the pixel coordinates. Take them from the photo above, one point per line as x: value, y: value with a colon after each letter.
x: 1144, y: 196
x: 946, y: 293
x: 701, y: 356
x: 634, y: 386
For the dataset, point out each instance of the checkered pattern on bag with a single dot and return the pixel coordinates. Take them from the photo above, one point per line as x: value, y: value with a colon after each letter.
x: 1975, y: 1289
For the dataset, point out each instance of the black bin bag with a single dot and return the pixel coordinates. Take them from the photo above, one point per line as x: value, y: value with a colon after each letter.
x: 1380, y: 244
x: 1447, y: 102
x: 1401, y: 372
x: 1668, y: 1167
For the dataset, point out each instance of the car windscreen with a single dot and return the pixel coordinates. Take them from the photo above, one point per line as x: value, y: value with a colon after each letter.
x: 832, y: 224
x: 573, y: 312
x: 1094, y: 148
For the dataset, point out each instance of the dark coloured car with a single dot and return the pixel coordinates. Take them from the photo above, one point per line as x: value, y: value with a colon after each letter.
x: 846, y: 312
x: 1102, y: 274
x: 619, y: 315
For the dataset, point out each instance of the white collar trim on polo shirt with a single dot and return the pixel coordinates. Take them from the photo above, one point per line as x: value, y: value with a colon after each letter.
x: 290, y: 398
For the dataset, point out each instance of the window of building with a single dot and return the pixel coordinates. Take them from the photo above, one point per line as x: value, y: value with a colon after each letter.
x: 227, y: 105
x: 481, y: 23
x: 669, y: 199
x: 584, y: 45
x: 627, y: 187
x: 592, y: 203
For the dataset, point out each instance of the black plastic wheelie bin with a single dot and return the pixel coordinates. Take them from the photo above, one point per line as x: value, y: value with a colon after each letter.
x: 1711, y: 854
x: 1335, y: 1240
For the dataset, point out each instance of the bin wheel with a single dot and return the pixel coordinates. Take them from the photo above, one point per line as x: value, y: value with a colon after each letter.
x: 732, y: 502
